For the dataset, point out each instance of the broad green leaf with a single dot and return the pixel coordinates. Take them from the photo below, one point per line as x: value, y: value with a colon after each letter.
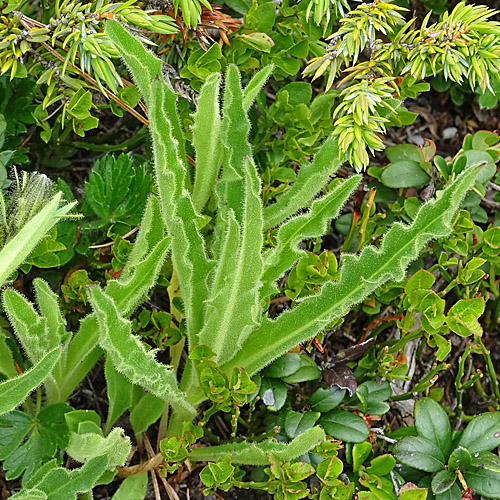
x: 360, y: 276
x: 404, y: 174
x: 313, y: 224
x: 258, y: 453
x: 482, y: 433
x: 324, y: 400
x: 432, y: 423
x: 286, y: 365
x: 146, y: 412
x: 483, y: 482
x: 344, y: 425
x: 419, y: 453
x: 463, y: 315
x: 129, y: 356
x: 297, y: 423
x: 14, y: 391
x: 133, y: 488
x: 486, y: 460
x: 443, y: 481
x: 421, y: 280
x: 460, y: 459
x: 360, y: 452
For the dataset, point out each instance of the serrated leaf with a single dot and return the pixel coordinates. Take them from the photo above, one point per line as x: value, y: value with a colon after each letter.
x: 129, y: 356
x: 116, y: 191
x: 360, y: 275
x: 310, y: 225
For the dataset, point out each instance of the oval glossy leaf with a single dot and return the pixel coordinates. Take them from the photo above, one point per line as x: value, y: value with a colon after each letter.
x: 404, y: 174
x: 419, y: 453
x: 14, y: 391
x: 324, y: 400
x: 381, y: 465
x: 345, y: 426
x: 460, y: 459
x: 443, y: 481
x: 482, y: 433
x: 483, y: 482
x: 288, y: 364
x: 273, y: 392
x: 486, y: 460
x: 297, y: 423
x: 432, y: 423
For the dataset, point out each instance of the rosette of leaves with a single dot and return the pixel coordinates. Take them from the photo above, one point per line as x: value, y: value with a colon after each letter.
x: 225, y: 311
x: 222, y: 279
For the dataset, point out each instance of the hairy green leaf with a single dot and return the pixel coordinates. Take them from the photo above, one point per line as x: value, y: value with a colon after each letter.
x: 311, y: 178
x: 14, y: 391
x: 258, y: 453
x: 309, y: 225
x: 129, y: 356
x: 233, y: 309
x: 360, y: 275
x: 207, y: 141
